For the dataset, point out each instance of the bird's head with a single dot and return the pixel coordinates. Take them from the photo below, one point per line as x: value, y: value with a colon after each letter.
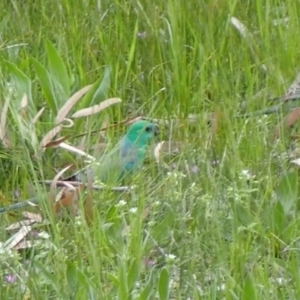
x: 141, y: 132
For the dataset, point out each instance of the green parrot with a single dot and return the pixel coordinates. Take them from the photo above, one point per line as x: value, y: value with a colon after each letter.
x: 125, y: 158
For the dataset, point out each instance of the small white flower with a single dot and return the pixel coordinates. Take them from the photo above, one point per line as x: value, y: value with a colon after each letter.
x: 246, y: 174
x: 156, y: 203
x: 133, y: 210
x: 132, y: 187
x: 121, y: 203
x: 6, y: 251
x: 78, y: 221
x: 221, y: 287
x: 44, y: 235
x: 170, y: 257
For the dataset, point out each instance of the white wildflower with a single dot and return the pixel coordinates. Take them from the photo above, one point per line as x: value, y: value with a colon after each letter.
x: 246, y: 174
x: 156, y: 203
x: 170, y: 257
x: 133, y: 210
x: 44, y: 235
x: 121, y: 203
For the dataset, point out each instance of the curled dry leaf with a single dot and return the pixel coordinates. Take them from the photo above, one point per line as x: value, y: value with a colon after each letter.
x: 3, y: 133
x: 49, y: 136
x: 166, y: 148
x: 18, y: 225
x: 59, y: 195
x: 69, y: 198
x: 246, y: 34
x: 240, y: 27
x: 52, y: 196
x: 25, y: 244
x: 157, y: 150
x: 96, y: 108
x: 130, y: 121
x: 296, y: 162
x: 55, y: 143
x: 294, y: 88
x: 76, y: 150
x: 33, y: 217
x: 287, y: 121
x: 57, y: 176
x: 23, y: 106
x: 292, y: 93
x: 63, y: 112
x: 17, y: 237
x: 68, y: 123
x: 38, y: 115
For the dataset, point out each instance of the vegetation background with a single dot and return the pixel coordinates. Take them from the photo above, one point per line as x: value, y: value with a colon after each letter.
x: 217, y: 216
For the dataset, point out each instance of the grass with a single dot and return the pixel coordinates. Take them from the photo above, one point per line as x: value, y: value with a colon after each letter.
x: 226, y: 231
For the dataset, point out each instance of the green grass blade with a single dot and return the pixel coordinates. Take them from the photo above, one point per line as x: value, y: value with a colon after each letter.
x: 21, y: 81
x: 133, y: 274
x: 122, y: 284
x: 57, y: 68
x: 163, y: 284
x: 149, y: 288
x: 46, y: 84
x: 98, y: 92
x: 287, y: 191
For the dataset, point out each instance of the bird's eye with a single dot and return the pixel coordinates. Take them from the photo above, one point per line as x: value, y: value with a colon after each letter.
x: 148, y: 129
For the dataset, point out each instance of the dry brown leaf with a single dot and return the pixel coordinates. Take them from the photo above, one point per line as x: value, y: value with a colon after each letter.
x: 18, y: 225
x: 296, y: 162
x: 52, y: 196
x: 17, y: 237
x: 59, y: 195
x: 292, y: 93
x: 166, y: 147
x: 130, y: 121
x: 246, y: 34
x: 68, y: 123
x: 294, y: 88
x: 76, y: 150
x: 287, y: 121
x: 3, y: 133
x: 38, y: 115
x: 49, y: 136
x: 33, y: 217
x: 69, y: 198
x: 24, y: 106
x: 25, y: 244
x: 96, y: 108
x: 63, y: 112
x: 57, y: 176
x: 57, y: 142
x: 157, y: 150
